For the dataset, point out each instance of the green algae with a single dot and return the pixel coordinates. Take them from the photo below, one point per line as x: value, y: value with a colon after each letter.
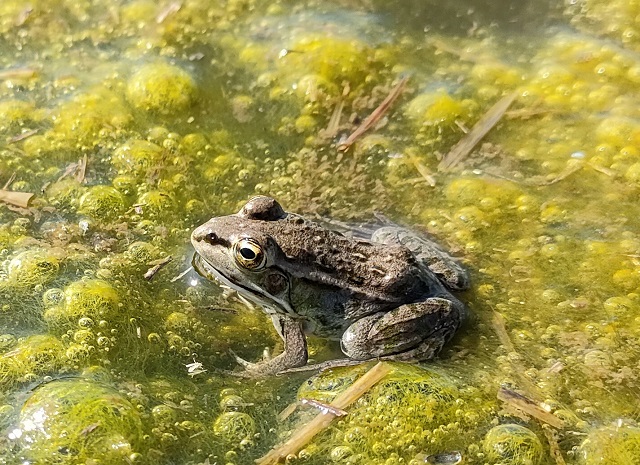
x: 161, y: 88
x: 512, y: 444
x: 614, y: 444
x: 102, y: 203
x: 86, y: 419
x: 183, y: 111
x: 411, y: 410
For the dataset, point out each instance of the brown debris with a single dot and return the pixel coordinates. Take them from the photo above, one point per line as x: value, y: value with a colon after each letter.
x: 568, y: 171
x: 424, y: 172
x: 465, y: 145
x: 167, y: 11
x: 375, y: 116
x: 519, y: 369
x: 334, y: 122
x: 17, y: 199
x: 304, y: 434
x: 529, y: 407
x: 81, y: 172
x: 9, y: 181
x: 18, y: 73
x: 323, y: 407
x: 23, y: 135
x: 554, y: 447
x: 77, y: 170
x: 157, y: 266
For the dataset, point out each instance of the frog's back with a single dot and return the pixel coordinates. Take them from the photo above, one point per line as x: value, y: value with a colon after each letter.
x: 377, y: 272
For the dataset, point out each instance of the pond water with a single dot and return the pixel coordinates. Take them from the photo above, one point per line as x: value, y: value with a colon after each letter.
x: 132, y: 122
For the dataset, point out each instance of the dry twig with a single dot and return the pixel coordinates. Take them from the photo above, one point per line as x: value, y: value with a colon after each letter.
x: 157, y: 266
x: 167, y: 11
x: 334, y: 122
x: 568, y: 171
x: 323, y: 407
x: 501, y: 331
x: 303, y: 435
x: 375, y: 116
x: 18, y: 199
x: 529, y: 407
x: 479, y: 130
x: 22, y: 136
x: 9, y: 181
x: 18, y: 73
x: 81, y: 171
x: 554, y: 447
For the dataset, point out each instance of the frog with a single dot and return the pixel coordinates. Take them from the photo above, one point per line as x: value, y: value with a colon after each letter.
x: 384, y: 293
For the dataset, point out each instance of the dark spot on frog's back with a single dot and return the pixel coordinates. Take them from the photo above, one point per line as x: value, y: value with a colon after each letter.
x: 262, y: 208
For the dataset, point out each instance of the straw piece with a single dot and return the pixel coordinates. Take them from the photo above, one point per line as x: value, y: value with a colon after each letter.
x: 304, y: 434
x: 18, y: 73
x: 529, y: 407
x: 375, y: 116
x: 480, y: 129
x: 18, y: 199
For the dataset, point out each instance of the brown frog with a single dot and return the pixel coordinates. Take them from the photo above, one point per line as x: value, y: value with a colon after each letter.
x: 387, y: 296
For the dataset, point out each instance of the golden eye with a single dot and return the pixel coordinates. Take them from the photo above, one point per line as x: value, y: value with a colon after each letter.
x: 249, y: 254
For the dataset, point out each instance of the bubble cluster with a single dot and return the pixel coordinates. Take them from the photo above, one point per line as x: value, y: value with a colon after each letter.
x: 512, y: 444
x: 161, y: 88
x: 78, y: 418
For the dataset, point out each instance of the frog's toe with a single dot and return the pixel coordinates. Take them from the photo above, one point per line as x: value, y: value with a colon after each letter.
x: 244, y: 363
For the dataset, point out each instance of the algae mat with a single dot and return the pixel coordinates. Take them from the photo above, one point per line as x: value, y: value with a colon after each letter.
x: 131, y: 122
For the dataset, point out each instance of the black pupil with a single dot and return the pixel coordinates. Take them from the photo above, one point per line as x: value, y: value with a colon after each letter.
x: 247, y: 253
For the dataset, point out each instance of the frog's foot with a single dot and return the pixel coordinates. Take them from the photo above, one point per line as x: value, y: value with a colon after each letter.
x: 294, y: 354
x: 272, y: 366
x: 443, y: 265
x: 343, y: 362
x: 410, y: 332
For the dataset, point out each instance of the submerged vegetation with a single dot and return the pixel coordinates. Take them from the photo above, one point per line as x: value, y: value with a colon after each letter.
x: 125, y: 124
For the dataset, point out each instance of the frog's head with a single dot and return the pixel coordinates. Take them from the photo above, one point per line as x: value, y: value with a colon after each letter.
x: 238, y: 251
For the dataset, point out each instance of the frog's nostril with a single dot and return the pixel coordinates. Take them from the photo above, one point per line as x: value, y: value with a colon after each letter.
x: 211, y: 238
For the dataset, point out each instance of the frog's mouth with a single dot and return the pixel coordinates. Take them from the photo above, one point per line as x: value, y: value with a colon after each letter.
x: 270, y: 303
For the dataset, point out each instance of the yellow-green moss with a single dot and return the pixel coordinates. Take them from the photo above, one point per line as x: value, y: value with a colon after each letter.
x: 161, y: 88
x: 102, y: 203
x: 617, y: 444
x: 32, y: 267
x: 78, y: 420
x: 512, y: 444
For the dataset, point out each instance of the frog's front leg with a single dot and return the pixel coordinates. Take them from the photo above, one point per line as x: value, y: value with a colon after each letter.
x: 294, y: 353
x: 410, y: 332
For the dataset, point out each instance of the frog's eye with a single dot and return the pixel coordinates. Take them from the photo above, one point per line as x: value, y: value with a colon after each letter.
x: 249, y: 254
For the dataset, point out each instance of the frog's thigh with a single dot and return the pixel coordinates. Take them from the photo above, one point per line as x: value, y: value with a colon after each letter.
x: 428, y: 252
x: 418, y: 331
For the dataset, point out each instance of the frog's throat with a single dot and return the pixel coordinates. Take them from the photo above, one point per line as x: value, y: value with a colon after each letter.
x: 268, y: 302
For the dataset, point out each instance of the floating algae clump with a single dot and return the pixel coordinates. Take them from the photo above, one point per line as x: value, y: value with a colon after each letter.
x: 79, y: 121
x: 512, y: 445
x: 92, y: 298
x: 73, y: 421
x: 161, y: 88
x: 410, y: 410
x: 14, y: 113
x: 136, y: 157
x: 102, y: 203
x: 617, y: 444
x: 35, y: 355
x: 32, y: 267
x: 235, y: 427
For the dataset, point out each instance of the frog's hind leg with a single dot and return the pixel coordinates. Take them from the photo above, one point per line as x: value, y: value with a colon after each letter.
x: 410, y: 332
x: 439, y: 262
